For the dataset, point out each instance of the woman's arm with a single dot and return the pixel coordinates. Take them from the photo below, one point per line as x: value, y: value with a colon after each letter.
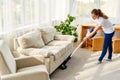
x: 92, y: 33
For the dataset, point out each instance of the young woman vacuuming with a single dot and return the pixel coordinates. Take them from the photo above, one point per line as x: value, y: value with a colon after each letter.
x: 106, y: 25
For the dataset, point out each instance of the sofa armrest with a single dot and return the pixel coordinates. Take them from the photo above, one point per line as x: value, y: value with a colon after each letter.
x: 27, y: 61
x: 28, y: 75
x: 64, y: 37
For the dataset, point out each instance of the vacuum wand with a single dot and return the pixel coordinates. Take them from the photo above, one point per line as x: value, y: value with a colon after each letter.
x: 90, y: 30
x: 77, y: 48
x: 63, y: 65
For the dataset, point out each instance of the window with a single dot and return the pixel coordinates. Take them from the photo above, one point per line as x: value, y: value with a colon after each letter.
x: 110, y: 7
x: 84, y: 7
x: 1, y: 11
x: 17, y: 8
x: 17, y: 13
x: 23, y: 11
x: 60, y: 9
x: 29, y: 11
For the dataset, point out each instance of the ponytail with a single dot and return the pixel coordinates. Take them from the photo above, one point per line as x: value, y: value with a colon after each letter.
x: 99, y: 13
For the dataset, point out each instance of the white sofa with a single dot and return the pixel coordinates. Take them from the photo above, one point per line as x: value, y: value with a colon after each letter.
x: 45, y: 41
x: 21, y: 68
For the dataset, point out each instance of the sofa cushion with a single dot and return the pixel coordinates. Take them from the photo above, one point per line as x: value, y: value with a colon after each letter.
x: 33, y: 68
x: 31, y: 40
x: 66, y: 44
x: 56, y: 51
x: 33, y: 51
x: 47, y: 34
x: 46, y: 51
x: 7, y: 56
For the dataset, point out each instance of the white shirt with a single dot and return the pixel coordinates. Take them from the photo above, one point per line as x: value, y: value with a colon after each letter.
x: 105, y: 24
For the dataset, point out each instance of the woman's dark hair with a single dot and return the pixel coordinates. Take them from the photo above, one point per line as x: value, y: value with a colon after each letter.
x: 99, y: 13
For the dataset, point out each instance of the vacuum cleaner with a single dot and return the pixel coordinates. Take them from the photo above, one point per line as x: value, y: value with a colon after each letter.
x: 63, y: 65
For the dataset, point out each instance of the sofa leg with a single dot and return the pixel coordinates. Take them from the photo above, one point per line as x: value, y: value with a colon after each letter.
x: 63, y: 65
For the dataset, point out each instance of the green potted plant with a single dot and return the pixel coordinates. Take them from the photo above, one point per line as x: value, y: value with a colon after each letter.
x: 66, y: 28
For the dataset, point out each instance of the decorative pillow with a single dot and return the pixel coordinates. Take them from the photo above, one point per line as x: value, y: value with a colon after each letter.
x: 47, y: 34
x: 31, y: 40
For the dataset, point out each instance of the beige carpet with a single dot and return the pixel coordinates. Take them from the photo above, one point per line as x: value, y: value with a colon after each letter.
x: 83, y: 66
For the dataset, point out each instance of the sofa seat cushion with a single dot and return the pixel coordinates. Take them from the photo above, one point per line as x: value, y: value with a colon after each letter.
x: 46, y: 51
x: 66, y: 44
x: 32, y: 39
x: 56, y: 51
x: 33, y: 51
x: 33, y: 68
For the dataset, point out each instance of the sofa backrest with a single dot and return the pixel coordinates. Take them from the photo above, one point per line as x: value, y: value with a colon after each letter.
x: 9, y: 37
x: 47, y: 34
x: 7, y: 58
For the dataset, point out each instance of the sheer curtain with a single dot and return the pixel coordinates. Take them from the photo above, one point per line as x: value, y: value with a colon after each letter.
x: 7, y: 16
x: 59, y: 10
x: 1, y: 4
x: 112, y: 9
x: 44, y: 11
x: 18, y: 13
x: 21, y: 13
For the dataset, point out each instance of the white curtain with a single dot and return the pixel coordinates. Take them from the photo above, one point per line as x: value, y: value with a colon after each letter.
x: 73, y: 4
x: 56, y: 10
x: 60, y: 9
x: 19, y: 13
x: 1, y: 16
x: 53, y: 10
x: 112, y: 9
x: 7, y: 15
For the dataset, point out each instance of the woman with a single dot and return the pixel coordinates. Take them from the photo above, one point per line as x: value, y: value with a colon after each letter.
x: 106, y: 25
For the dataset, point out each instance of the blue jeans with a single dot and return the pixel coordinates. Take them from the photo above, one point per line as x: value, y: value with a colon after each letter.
x: 107, y: 45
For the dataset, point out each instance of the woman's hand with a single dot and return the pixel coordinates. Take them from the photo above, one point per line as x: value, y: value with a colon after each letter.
x: 92, y: 33
x: 85, y: 38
